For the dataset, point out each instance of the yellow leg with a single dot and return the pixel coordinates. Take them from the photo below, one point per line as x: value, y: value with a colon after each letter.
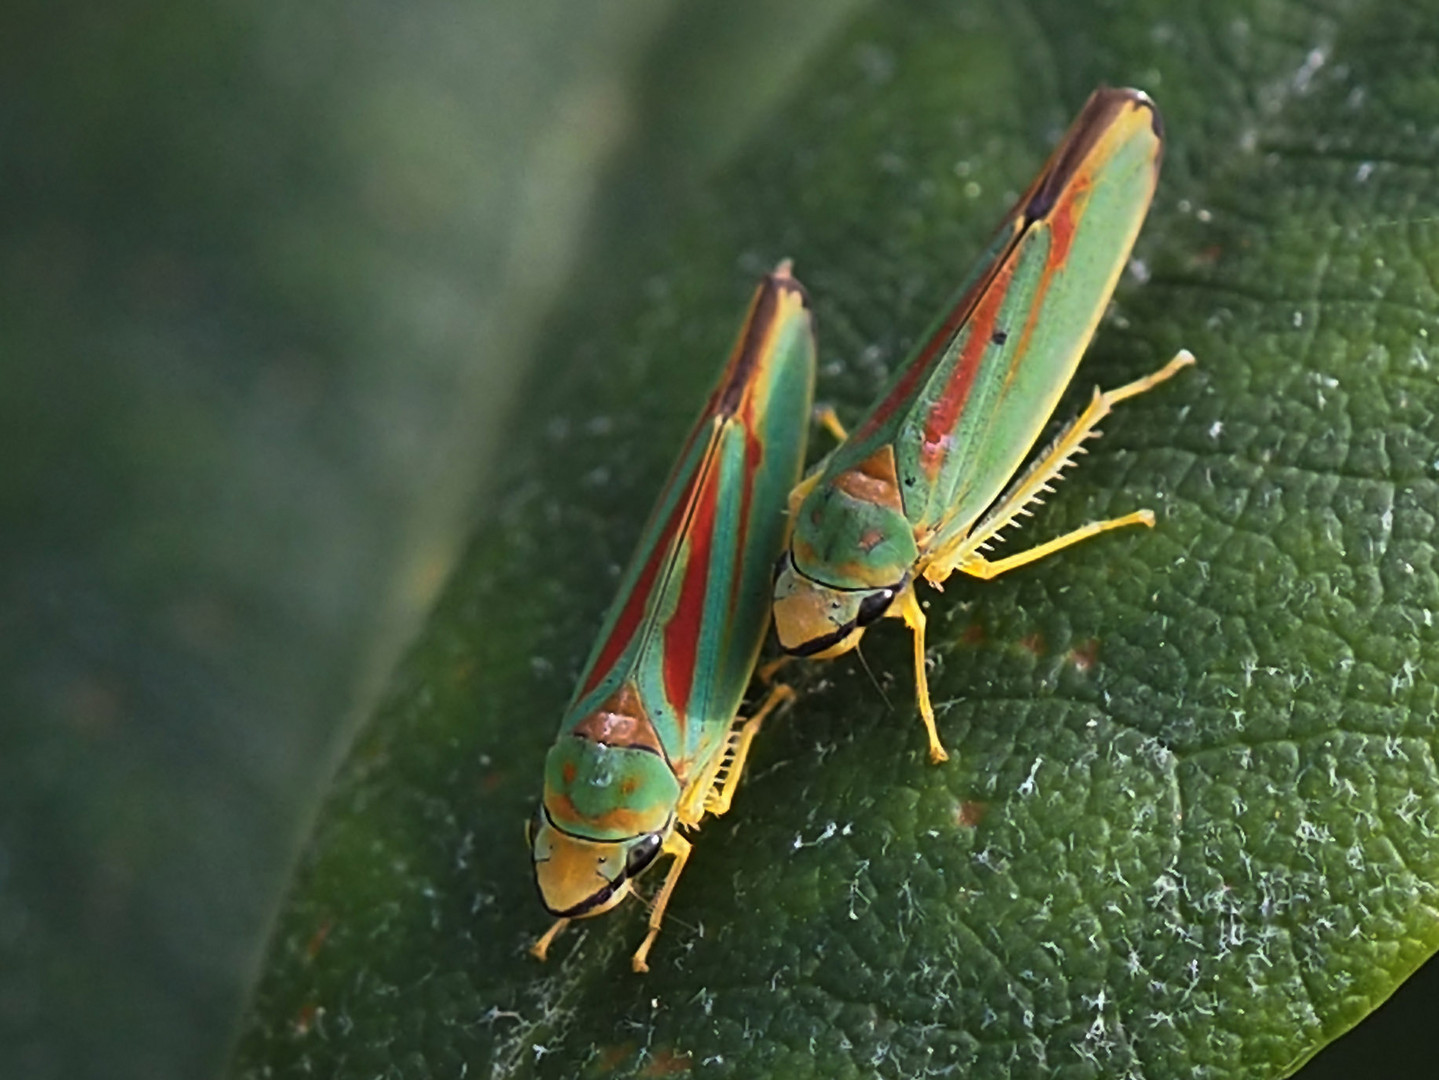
x: 767, y: 672
x: 679, y: 847
x: 985, y: 569
x: 726, y: 777
x: 963, y: 554
x: 827, y: 419
x: 541, y: 948
x: 712, y: 795
x: 1182, y: 359
x: 913, y: 616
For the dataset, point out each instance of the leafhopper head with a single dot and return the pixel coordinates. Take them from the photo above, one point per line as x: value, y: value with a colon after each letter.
x: 579, y: 877
x: 820, y: 621
x: 604, y: 818
x: 851, y: 553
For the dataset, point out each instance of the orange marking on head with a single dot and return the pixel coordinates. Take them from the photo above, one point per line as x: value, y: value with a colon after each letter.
x: 618, y: 819
x: 874, y: 480
x: 801, y: 550
x: 621, y: 720
x: 569, y: 772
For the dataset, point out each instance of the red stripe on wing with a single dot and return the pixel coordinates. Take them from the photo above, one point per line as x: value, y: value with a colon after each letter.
x: 638, y: 601
x: 940, y: 421
x: 919, y: 368
x: 735, y: 390
x: 1056, y: 184
x: 682, y: 632
x: 753, y: 458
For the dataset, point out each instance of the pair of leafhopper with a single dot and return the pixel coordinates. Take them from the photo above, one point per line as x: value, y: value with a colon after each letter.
x: 652, y: 739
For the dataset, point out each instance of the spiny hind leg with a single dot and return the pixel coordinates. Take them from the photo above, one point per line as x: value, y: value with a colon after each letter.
x: 913, y: 616
x: 976, y: 565
x: 726, y: 778
x: 964, y: 553
x: 680, y: 848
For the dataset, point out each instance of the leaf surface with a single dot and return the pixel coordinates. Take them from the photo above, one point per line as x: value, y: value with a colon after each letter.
x: 1190, y: 825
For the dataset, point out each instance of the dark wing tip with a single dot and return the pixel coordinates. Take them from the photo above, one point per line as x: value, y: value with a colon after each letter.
x: 1144, y: 101
x: 1111, y: 99
x: 775, y: 287
x: 782, y: 279
x: 1103, y: 106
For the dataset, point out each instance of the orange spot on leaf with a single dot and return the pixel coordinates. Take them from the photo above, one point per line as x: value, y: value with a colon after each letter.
x: 1207, y: 256
x: 969, y: 813
x: 317, y: 939
x: 1033, y: 643
x: 306, y: 1017
x: 665, y: 1062
x: 609, y: 1058
x: 1084, y: 655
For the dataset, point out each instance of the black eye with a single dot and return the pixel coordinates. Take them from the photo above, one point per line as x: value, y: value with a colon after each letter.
x: 873, y: 606
x: 642, y: 854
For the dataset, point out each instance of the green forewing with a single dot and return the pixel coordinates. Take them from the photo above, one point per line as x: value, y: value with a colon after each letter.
x: 693, y: 606
x: 968, y: 405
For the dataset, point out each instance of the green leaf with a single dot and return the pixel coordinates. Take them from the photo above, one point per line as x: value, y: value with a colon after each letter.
x: 1190, y: 827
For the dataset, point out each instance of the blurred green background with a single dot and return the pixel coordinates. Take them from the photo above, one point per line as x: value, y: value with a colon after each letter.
x: 270, y: 274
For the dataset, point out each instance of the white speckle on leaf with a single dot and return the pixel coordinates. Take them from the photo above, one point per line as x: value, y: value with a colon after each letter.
x: 1028, y: 786
x: 1305, y: 75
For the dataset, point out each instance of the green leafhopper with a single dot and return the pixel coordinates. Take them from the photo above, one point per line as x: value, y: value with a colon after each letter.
x: 927, y: 481
x: 651, y: 740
